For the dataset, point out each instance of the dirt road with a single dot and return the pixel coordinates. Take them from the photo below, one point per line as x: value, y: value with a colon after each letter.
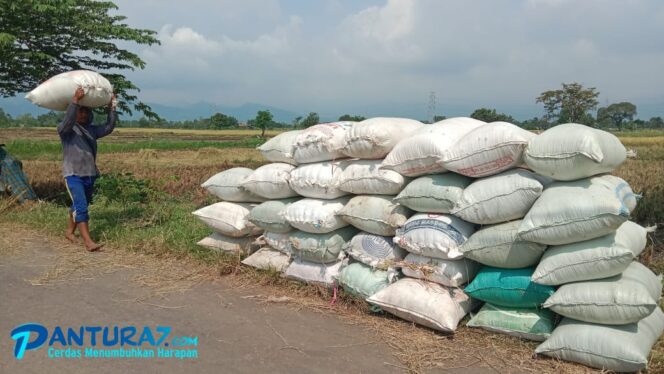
x: 49, y: 284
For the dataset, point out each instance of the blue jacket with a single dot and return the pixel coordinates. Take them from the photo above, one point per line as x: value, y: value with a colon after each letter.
x: 79, y: 143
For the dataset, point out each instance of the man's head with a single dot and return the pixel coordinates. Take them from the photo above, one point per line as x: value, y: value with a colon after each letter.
x: 83, y: 116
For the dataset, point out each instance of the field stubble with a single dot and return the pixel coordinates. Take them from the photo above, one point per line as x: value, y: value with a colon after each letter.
x: 164, y: 228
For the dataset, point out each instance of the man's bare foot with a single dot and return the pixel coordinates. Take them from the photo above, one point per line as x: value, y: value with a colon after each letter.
x: 93, y: 247
x: 71, y: 237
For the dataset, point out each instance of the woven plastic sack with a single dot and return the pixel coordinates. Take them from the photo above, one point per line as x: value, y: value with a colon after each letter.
x: 321, y: 142
x: 374, y: 250
x: 499, y: 246
x: 228, y: 244
x: 268, y: 259
x: 450, y: 273
x: 311, y: 272
x: 530, y: 324
x: 374, y: 138
x: 271, y: 215
x: 271, y: 181
x: 227, y: 186
x: 320, y: 248
x: 278, y: 241
x: 420, y: 153
x: 229, y: 219
x: 572, y: 151
x: 487, y: 150
x: 316, y: 216
x: 363, y: 281
x: 376, y: 214
x: 363, y: 177
x: 318, y: 180
x: 499, y: 198
x: 434, y: 235
x: 598, y: 258
x: 508, y: 288
x: 569, y: 212
x: 58, y: 91
x: 433, y: 193
x: 425, y: 303
x: 280, y: 148
x: 619, y: 300
x: 613, y: 348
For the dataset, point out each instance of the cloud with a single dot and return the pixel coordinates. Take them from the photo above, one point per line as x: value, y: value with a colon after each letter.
x: 347, y: 56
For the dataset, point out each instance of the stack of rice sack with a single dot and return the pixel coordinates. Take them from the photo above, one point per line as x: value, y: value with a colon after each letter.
x: 232, y: 232
x: 497, y: 202
x: 450, y: 203
x: 372, y: 210
x: 311, y: 228
x: 608, y: 301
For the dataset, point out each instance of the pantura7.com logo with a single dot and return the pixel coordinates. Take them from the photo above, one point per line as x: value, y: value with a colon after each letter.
x: 103, y: 342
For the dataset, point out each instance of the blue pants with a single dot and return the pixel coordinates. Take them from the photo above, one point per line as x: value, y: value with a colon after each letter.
x: 80, y: 190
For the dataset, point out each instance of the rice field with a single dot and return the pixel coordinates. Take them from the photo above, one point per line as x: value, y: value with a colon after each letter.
x: 154, y: 179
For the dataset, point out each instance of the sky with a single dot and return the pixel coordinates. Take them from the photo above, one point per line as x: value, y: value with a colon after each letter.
x: 376, y: 57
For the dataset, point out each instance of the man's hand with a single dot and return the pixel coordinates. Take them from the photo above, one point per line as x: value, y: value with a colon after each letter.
x: 113, y: 103
x: 78, y: 95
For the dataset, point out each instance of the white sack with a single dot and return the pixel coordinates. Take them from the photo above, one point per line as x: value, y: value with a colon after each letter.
x: 374, y: 250
x: 374, y: 138
x: 268, y: 259
x: 316, y: 216
x: 318, y: 180
x: 227, y: 186
x: 450, y: 273
x: 363, y: 177
x: 228, y: 219
x: 310, y: 272
x: 488, y: 150
x: 271, y: 181
x: 434, y: 235
x: 572, y: 151
x: 280, y: 148
x: 58, y: 91
x: 421, y: 153
x: 425, y: 303
x: 321, y: 142
x: 228, y: 244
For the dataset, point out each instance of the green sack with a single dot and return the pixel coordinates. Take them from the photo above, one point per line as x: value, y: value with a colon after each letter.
x: 270, y: 215
x: 320, y: 248
x: 362, y: 281
x: 508, y: 287
x: 531, y: 324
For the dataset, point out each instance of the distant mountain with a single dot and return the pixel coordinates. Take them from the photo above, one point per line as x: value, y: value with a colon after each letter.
x: 16, y: 106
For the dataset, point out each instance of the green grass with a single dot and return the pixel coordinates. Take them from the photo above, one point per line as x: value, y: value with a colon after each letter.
x: 26, y: 149
x: 639, y: 133
x: 141, y: 220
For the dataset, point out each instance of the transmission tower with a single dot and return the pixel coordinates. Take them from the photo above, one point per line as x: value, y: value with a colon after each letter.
x: 431, y: 108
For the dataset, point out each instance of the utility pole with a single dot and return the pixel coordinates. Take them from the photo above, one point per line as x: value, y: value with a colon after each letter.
x: 431, y: 108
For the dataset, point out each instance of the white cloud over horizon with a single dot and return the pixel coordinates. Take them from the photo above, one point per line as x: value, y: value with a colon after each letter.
x: 343, y: 56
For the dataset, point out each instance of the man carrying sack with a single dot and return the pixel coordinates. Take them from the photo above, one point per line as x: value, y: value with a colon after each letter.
x: 79, y: 167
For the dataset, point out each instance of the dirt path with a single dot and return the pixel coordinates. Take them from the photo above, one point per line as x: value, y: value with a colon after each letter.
x: 47, y: 283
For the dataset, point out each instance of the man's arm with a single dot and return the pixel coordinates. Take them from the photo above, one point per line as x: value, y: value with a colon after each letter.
x: 111, y: 119
x: 69, y: 121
